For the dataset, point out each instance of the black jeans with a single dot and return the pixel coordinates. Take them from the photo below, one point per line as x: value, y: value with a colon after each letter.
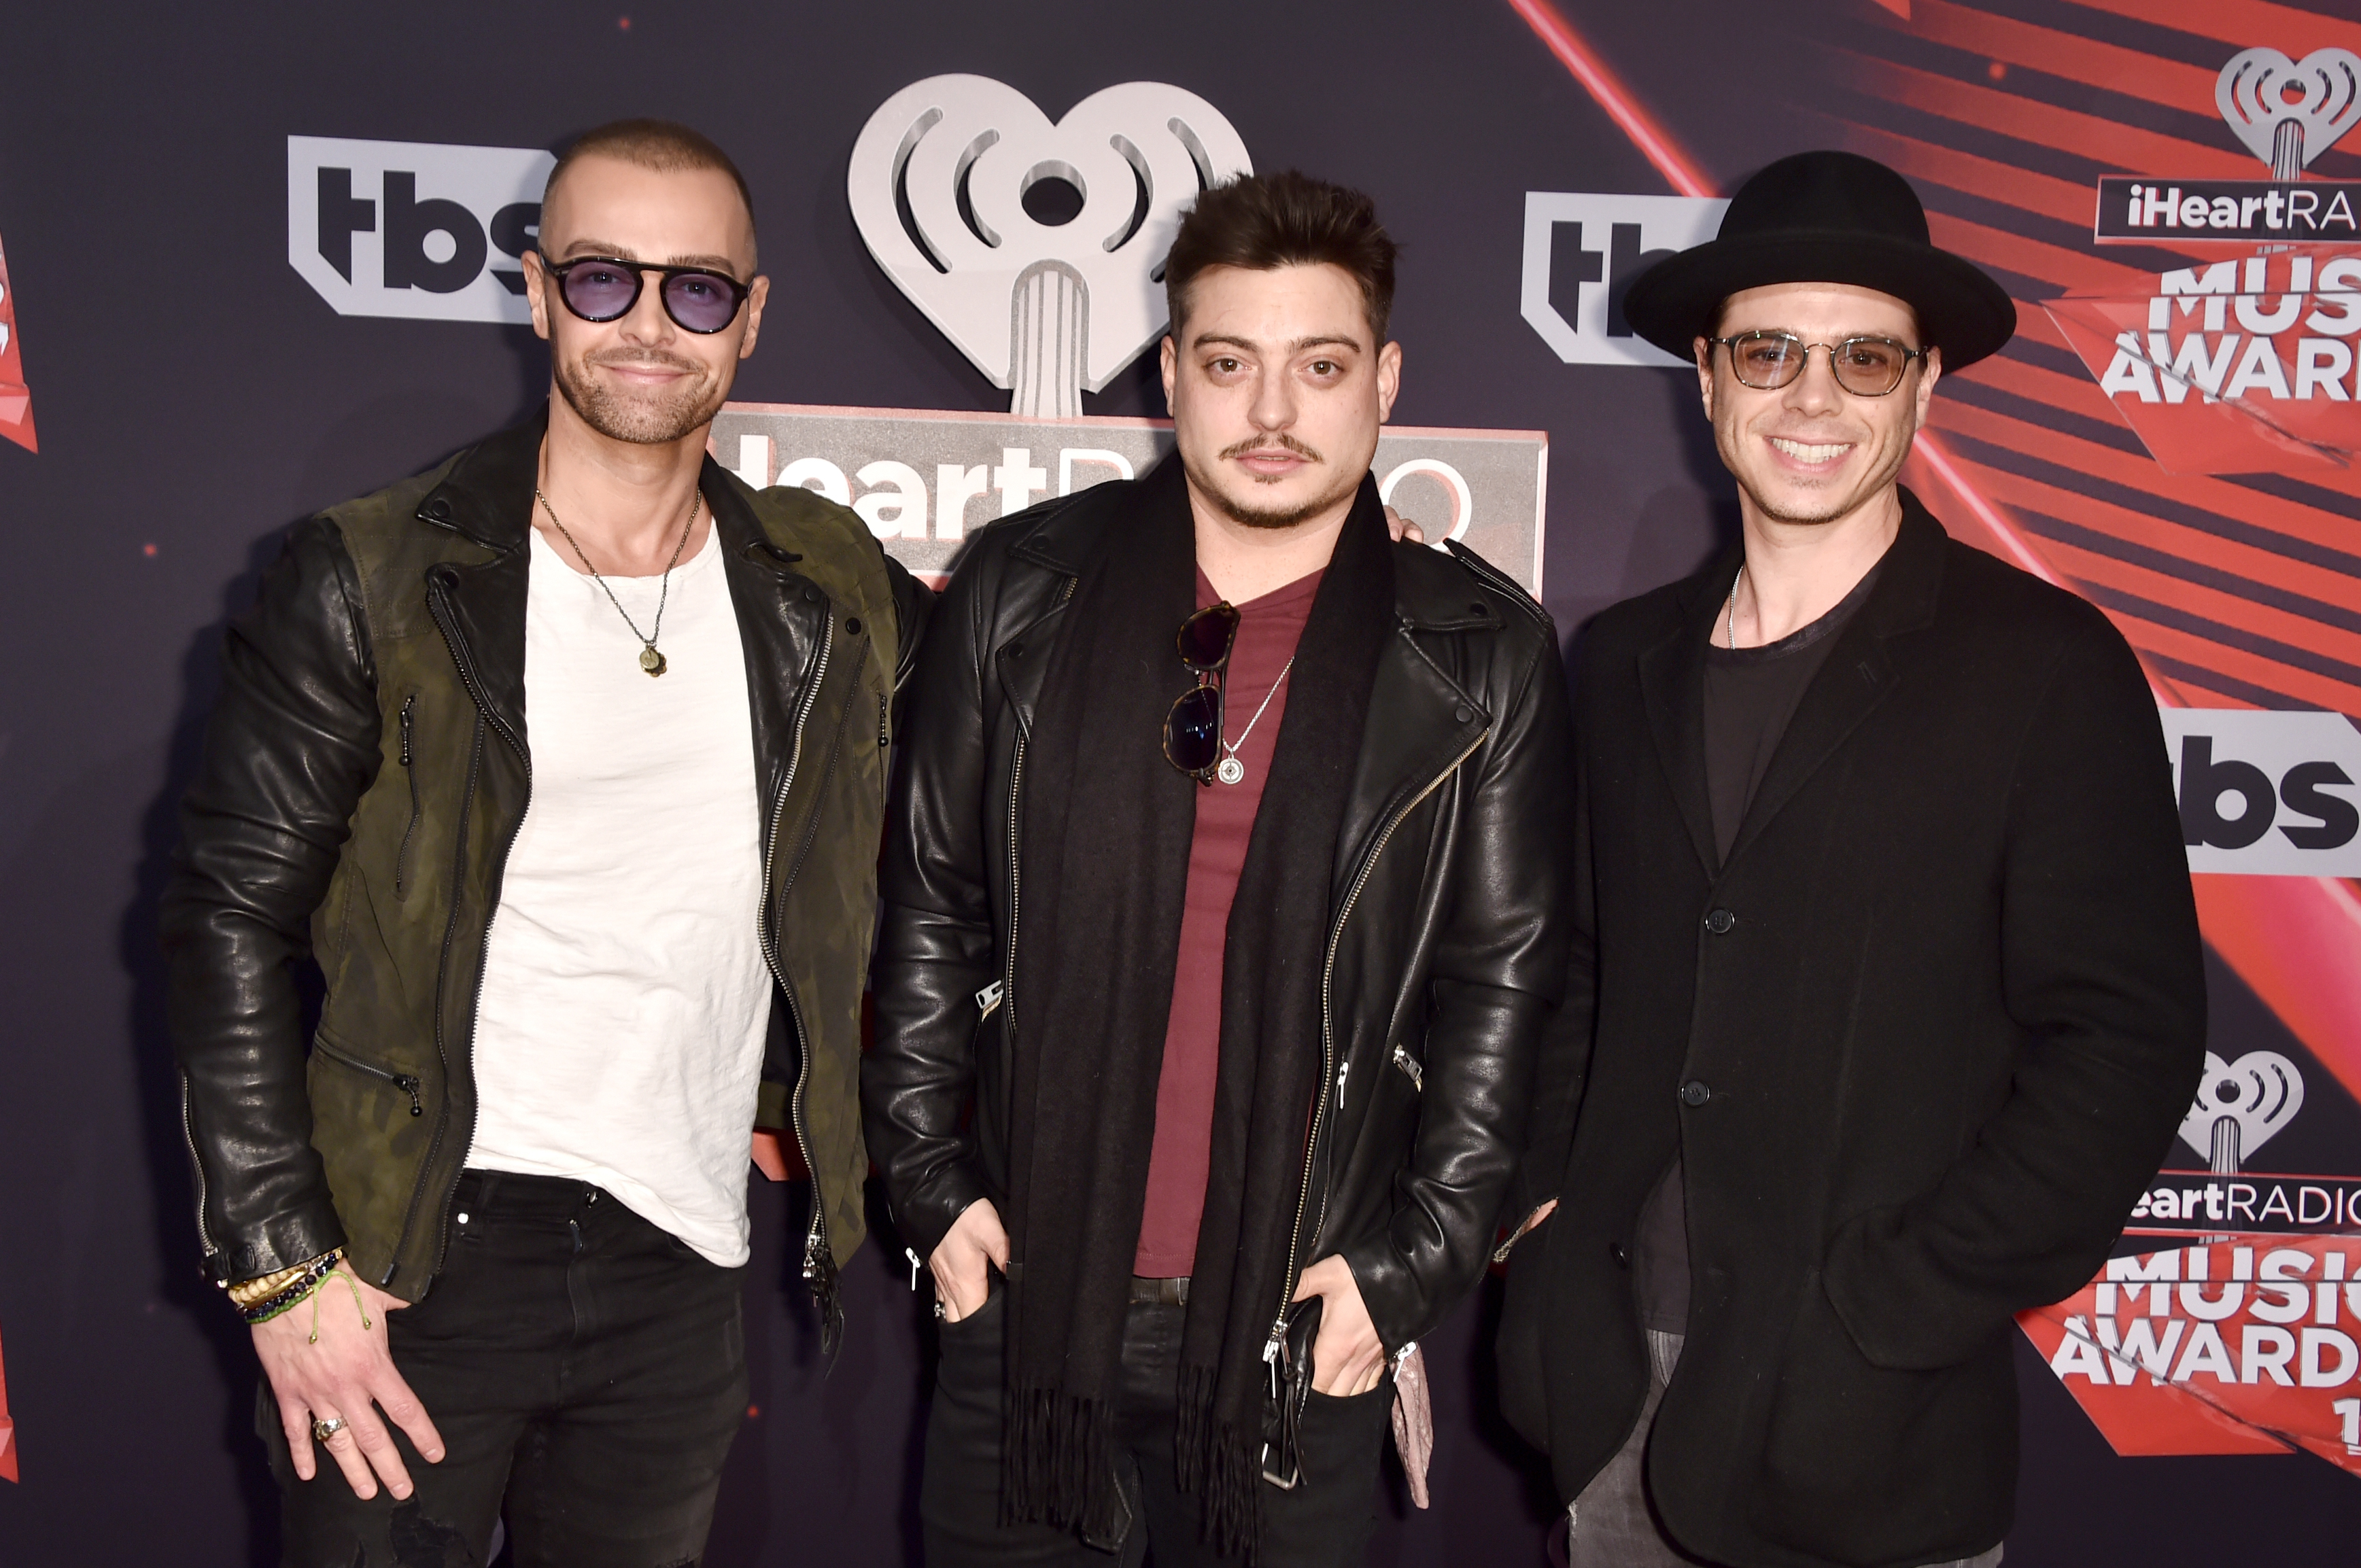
x: 587, y: 1373
x: 1324, y: 1520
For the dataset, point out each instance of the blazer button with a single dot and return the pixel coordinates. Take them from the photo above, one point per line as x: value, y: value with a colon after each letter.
x: 1463, y: 713
x: 1695, y: 1093
x: 1719, y: 921
x: 1617, y: 1251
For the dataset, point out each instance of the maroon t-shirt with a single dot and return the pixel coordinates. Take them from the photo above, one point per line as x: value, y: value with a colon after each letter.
x: 1181, y: 1154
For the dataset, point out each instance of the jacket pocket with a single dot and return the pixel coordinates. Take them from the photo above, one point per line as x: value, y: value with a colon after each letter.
x: 407, y: 1083
x: 1860, y: 1457
x: 409, y: 769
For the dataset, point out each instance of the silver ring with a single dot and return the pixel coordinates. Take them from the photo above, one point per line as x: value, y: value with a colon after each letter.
x: 321, y: 1431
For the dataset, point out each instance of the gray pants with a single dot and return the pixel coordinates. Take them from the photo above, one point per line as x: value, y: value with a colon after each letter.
x: 1611, y: 1525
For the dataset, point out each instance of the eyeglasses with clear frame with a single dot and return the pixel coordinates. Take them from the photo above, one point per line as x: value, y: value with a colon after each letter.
x: 1865, y: 366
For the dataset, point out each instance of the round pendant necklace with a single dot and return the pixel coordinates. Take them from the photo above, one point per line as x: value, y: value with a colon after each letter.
x: 1230, y: 770
x: 651, y: 659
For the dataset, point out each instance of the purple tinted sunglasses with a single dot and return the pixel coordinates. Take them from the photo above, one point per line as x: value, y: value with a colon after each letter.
x: 606, y: 288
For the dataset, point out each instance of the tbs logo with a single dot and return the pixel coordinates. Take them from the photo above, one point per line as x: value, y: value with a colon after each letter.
x: 2265, y: 793
x: 1581, y: 254
x: 399, y: 228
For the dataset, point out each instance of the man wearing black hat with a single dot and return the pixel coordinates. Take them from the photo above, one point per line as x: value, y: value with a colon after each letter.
x: 1886, y: 995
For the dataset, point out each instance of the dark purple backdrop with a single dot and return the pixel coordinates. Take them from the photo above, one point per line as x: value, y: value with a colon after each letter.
x: 194, y: 396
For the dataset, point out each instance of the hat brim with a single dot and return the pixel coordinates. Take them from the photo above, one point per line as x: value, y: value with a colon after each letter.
x: 1961, y: 310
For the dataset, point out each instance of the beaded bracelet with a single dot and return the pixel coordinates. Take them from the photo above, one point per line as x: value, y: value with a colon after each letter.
x: 292, y: 1293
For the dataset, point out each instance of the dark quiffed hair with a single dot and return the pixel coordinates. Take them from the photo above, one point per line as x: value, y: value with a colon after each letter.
x: 659, y: 144
x: 1266, y: 220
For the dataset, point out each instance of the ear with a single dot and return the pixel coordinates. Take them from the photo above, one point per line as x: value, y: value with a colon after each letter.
x: 1168, y: 360
x: 757, y: 292
x: 1930, y: 371
x: 1389, y: 380
x: 538, y: 284
x: 1704, y: 352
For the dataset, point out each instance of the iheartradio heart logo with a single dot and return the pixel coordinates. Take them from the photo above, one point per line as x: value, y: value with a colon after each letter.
x: 1049, y: 305
x: 2258, y: 1094
x: 2252, y: 94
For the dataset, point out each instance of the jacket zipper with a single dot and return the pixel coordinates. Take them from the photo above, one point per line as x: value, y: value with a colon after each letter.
x: 450, y: 933
x: 1328, y: 1043
x: 815, y: 1241
x: 401, y: 859
x: 188, y: 1132
x: 407, y: 1082
x: 1002, y: 992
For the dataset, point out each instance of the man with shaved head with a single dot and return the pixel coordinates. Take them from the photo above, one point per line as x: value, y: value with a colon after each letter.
x: 565, y: 762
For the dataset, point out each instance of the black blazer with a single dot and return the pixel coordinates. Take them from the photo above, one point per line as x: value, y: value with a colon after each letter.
x: 1919, y: 1044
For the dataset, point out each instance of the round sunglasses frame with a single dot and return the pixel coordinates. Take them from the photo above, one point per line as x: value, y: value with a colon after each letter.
x: 559, y: 271
x: 1803, y: 360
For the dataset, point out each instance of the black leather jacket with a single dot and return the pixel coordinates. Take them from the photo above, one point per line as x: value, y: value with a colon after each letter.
x: 1446, y: 942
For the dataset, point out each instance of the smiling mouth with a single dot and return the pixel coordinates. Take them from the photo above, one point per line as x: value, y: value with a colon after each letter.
x: 1810, y: 451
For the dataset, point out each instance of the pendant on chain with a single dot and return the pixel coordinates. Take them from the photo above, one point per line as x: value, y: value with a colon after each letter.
x: 1230, y: 770
x: 653, y: 662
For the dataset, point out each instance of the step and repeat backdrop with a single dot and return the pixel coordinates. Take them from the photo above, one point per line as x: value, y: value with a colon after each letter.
x: 257, y: 259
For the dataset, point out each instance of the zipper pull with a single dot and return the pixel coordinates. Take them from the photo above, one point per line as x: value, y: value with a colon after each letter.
x: 1278, y: 1335
x: 1340, y: 1070
x: 917, y: 1264
x: 409, y: 1086
x: 988, y: 999
x: 1409, y: 1064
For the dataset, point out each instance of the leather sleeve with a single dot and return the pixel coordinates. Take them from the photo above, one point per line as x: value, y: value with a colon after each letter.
x: 291, y: 747
x: 2102, y: 968
x: 936, y: 944
x: 914, y: 603
x: 1563, y: 1057
x: 1498, y: 965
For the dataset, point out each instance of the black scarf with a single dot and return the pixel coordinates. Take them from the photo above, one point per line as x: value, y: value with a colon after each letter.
x: 1102, y: 865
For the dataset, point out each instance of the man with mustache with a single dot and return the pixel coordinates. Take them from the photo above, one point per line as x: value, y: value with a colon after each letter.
x: 565, y: 761
x: 1886, y: 994
x: 1223, y: 910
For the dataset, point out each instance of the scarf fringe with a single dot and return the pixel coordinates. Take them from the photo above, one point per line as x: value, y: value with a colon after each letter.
x: 1220, y: 1466
x: 1058, y: 1463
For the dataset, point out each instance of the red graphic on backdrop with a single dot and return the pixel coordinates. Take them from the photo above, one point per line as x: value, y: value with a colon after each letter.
x: 15, y: 399
x: 2234, y: 367
x: 2247, y: 1346
x: 7, y: 1430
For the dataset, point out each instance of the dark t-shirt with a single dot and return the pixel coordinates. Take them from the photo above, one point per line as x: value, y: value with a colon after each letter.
x: 1751, y: 694
x: 1181, y: 1154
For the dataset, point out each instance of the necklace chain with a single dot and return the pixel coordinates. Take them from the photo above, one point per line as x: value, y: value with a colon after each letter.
x: 651, y: 659
x: 1732, y: 612
x: 1231, y: 770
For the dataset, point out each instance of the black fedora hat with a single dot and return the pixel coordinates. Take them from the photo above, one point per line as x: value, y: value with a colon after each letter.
x: 1824, y: 217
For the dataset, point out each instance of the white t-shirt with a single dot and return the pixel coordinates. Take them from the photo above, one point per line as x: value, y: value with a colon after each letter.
x: 619, y: 1033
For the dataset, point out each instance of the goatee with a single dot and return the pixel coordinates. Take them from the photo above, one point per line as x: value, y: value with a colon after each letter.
x: 654, y: 422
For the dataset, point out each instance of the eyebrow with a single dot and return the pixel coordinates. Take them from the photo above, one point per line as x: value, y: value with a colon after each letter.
x: 1299, y: 345
x: 721, y: 264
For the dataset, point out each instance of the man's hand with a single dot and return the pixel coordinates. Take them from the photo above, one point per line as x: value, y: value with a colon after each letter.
x: 963, y: 1283
x: 349, y: 1373
x: 1402, y: 527
x: 1348, y: 1357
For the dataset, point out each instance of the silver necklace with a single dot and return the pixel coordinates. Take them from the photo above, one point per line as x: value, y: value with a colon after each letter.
x: 1732, y: 612
x: 651, y: 660
x: 1230, y: 770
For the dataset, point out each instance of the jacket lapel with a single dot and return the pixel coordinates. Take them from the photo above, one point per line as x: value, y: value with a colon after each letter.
x: 488, y: 496
x: 1430, y: 724
x: 782, y: 625
x: 1858, y: 674
x: 1671, y: 683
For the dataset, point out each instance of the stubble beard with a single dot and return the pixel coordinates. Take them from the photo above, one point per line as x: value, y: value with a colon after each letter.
x: 643, y: 421
x: 1241, y: 510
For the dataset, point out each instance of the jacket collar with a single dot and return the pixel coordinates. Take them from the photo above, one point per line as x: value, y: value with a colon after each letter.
x: 1856, y: 676
x: 487, y: 493
x: 1430, y: 593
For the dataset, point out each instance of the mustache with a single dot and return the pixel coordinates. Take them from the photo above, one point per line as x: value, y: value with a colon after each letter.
x: 643, y: 359
x: 1278, y: 439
